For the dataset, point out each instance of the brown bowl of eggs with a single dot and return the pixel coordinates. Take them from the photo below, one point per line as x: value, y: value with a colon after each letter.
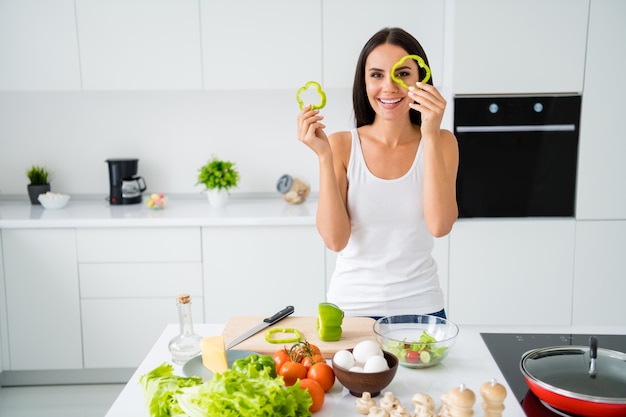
x: 365, y: 368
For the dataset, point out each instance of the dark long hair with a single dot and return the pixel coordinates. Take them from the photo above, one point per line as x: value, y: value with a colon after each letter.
x: 363, y: 112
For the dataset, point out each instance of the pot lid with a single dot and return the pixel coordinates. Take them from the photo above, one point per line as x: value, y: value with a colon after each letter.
x: 566, y: 370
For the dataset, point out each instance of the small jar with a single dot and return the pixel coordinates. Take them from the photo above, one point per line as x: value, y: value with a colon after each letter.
x: 294, y: 190
x: 187, y: 344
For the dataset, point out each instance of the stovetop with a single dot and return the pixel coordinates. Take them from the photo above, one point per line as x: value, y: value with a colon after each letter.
x: 507, y: 350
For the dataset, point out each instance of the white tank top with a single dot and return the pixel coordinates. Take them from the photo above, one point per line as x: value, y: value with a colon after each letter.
x: 387, y: 267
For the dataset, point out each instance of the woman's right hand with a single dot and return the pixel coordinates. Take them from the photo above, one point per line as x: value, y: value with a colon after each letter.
x: 311, y: 131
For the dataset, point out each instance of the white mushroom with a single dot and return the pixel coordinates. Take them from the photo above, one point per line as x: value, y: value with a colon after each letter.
x: 399, y: 411
x: 424, y: 405
x: 378, y: 412
x: 389, y: 401
x: 364, y: 403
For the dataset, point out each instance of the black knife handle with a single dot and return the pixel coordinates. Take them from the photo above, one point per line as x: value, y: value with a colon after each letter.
x: 280, y: 315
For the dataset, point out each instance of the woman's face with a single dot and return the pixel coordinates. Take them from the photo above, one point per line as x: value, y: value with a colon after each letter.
x: 388, y: 99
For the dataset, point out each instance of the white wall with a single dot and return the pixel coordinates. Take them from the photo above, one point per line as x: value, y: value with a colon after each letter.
x: 173, y: 82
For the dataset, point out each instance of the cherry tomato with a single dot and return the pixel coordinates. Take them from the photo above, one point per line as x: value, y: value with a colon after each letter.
x: 307, y: 362
x: 318, y: 358
x: 412, y: 356
x: 303, y: 349
x: 323, y: 374
x: 315, y: 391
x: 291, y: 372
x: 280, y: 358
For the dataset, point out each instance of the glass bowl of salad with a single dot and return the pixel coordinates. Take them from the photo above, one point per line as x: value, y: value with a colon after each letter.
x: 418, y: 341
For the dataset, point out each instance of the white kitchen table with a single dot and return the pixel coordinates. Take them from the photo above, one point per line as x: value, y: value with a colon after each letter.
x: 469, y: 362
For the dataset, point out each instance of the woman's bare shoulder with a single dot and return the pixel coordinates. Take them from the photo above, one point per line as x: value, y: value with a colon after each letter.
x: 341, y: 137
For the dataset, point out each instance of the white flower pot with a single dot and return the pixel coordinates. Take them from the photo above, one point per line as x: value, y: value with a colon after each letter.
x: 218, y: 197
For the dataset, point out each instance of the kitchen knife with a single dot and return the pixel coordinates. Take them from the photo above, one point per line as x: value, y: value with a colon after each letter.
x: 265, y: 323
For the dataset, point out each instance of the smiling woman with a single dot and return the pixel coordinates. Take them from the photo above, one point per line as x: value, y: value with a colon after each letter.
x: 388, y: 185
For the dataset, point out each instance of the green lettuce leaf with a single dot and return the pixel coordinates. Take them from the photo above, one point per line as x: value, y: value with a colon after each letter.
x: 159, y: 387
x: 227, y: 394
x: 232, y: 394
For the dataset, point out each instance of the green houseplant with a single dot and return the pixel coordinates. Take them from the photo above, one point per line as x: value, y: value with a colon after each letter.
x: 218, y: 177
x: 39, y: 182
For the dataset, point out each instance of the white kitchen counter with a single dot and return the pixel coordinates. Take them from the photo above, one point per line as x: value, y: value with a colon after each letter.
x: 180, y: 211
x: 469, y: 362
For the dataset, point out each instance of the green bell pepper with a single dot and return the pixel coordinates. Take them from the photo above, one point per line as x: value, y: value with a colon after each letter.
x: 320, y: 92
x: 253, y: 365
x: 420, y: 62
x: 329, y: 320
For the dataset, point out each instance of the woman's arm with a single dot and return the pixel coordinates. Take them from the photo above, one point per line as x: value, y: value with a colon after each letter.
x: 333, y: 222
x: 441, y: 161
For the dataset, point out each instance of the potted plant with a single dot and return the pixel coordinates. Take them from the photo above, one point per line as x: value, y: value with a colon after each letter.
x: 39, y: 182
x: 218, y: 177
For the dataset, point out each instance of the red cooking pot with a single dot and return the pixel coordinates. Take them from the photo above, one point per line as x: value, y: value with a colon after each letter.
x: 583, y: 380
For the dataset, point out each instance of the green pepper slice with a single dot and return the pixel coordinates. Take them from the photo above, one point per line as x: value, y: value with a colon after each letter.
x: 420, y: 62
x: 270, y: 338
x: 320, y: 92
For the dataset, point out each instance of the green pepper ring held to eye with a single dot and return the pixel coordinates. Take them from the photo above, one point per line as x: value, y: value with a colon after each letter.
x: 420, y: 62
x: 320, y: 92
x: 296, y: 338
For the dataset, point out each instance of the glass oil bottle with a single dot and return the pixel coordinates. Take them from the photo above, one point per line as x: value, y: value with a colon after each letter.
x: 187, y: 344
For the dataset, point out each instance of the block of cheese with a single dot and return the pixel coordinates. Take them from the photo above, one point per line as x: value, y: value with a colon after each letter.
x: 214, y: 354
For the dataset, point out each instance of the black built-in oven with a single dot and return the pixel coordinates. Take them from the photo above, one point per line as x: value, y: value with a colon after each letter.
x: 517, y: 155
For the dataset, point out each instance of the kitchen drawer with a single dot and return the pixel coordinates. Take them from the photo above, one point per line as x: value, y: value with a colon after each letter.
x: 177, y: 244
x: 118, y: 333
x: 141, y: 280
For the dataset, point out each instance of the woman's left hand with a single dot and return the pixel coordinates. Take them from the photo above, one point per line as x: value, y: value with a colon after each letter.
x: 431, y: 104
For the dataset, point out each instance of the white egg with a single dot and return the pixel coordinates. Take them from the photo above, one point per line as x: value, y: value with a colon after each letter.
x: 356, y: 369
x: 376, y: 364
x: 365, y: 350
x: 344, y: 359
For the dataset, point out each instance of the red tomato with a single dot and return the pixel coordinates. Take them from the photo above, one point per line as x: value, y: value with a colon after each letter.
x: 291, y: 372
x: 280, y: 358
x: 307, y: 362
x: 323, y: 374
x: 412, y: 356
x: 315, y: 391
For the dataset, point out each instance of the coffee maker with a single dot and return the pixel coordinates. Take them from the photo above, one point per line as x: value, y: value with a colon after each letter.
x: 125, y: 185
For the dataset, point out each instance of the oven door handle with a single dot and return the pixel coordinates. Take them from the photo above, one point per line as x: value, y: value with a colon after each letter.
x: 517, y: 128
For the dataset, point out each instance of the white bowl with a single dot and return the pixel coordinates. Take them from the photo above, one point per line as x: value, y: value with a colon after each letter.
x: 53, y: 200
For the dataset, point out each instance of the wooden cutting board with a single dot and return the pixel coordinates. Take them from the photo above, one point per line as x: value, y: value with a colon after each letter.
x: 354, y: 330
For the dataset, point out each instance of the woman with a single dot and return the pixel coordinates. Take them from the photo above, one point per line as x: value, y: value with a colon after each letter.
x: 386, y: 187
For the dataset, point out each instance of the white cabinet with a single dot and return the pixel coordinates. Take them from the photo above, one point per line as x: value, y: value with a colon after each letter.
x: 258, y: 270
x: 510, y: 46
x: 271, y: 44
x: 349, y: 24
x: 600, y: 268
x: 129, y: 280
x: 512, y: 272
x: 4, y: 337
x: 601, y: 168
x: 38, y: 45
x: 140, y: 44
x: 42, y: 299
